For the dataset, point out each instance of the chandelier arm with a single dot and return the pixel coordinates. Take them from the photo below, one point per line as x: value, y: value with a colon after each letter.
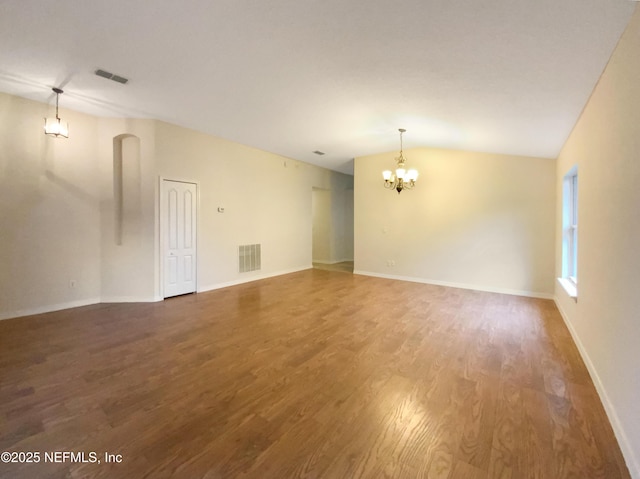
x: 391, y: 185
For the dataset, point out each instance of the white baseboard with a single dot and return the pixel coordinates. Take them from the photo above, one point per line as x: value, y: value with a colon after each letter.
x: 633, y: 462
x: 211, y: 287
x: 331, y: 262
x: 515, y: 292
x: 135, y: 299
x: 129, y: 299
x: 48, y: 308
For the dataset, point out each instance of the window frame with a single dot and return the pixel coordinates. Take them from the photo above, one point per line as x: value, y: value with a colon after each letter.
x: 569, y: 277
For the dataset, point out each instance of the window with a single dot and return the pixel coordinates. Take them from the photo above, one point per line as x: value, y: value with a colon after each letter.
x: 570, y: 232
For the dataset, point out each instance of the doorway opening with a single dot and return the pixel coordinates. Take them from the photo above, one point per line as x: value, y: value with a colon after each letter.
x: 332, y: 229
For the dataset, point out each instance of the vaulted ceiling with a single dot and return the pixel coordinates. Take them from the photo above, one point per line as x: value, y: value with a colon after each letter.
x: 294, y: 76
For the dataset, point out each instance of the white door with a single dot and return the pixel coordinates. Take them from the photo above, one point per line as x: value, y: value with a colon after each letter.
x: 178, y: 229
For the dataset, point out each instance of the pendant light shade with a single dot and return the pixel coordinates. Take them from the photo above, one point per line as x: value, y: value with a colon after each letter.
x: 56, y: 126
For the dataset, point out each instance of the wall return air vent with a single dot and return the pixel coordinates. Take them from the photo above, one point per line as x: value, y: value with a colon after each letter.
x: 249, y: 258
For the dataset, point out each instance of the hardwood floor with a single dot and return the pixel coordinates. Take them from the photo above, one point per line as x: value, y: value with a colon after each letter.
x: 344, y: 266
x: 315, y: 374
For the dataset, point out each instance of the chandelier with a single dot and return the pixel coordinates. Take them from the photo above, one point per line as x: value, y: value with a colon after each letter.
x: 55, y: 126
x: 402, y: 179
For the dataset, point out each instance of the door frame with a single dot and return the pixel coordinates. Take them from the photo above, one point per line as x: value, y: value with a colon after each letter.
x: 160, y: 236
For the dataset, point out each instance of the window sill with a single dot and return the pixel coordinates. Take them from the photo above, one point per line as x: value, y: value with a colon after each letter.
x: 569, y: 287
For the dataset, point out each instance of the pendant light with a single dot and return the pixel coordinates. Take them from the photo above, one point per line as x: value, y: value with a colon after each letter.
x: 55, y: 126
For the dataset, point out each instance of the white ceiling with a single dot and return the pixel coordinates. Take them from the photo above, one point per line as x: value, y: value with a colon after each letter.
x: 340, y: 76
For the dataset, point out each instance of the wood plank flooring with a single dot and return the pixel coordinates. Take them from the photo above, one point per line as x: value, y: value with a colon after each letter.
x: 315, y: 374
x: 344, y: 266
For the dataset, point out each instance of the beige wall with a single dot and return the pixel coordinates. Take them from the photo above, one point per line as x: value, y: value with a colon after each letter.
x: 59, y: 216
x: 129, y: 267
x: 342, y: 221
x: 474, y: 220
x: 49, y: 210
x: 332, y: 225
x: 605, y: 321
x: 267, y: 199
x: 321, y: 212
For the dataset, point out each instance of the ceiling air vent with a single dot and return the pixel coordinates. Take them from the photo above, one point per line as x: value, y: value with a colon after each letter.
x: 111, y: 76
